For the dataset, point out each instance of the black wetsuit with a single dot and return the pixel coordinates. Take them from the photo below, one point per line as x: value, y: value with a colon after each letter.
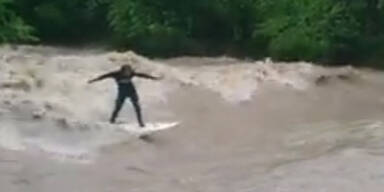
x: 126, y: 89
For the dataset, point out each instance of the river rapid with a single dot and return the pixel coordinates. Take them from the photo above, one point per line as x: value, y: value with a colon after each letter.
x: 245, y: 126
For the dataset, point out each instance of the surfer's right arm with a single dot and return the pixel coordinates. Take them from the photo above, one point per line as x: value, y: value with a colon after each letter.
x: 104, y: 76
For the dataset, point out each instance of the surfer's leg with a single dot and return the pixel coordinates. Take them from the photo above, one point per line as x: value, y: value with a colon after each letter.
x: 118, y: 105
x: 136, y: 106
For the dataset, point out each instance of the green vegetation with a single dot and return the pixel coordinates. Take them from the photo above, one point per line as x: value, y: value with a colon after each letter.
x: 328, y: 31
x: 64, y: 21
x: 12, y: 27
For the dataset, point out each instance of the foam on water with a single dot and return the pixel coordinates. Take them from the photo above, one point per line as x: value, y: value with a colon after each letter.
x: 10, y: 139
x: 246, y: 125
x: 49, y: 105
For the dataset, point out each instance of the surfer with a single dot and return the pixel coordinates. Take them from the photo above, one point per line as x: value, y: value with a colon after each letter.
x: 126, y: 88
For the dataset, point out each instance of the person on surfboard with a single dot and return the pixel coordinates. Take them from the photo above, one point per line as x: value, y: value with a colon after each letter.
x: 126, y: 88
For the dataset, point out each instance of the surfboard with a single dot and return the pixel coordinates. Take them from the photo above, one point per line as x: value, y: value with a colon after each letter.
x: 149, y: 128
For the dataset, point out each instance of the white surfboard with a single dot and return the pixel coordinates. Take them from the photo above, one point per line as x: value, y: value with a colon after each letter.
x: 149, y: 128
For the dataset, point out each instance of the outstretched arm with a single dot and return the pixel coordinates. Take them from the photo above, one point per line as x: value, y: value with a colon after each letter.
x: 101, y: 77
x: 147, y: 76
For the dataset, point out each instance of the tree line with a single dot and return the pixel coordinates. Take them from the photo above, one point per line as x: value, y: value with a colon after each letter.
x: 327, y: 31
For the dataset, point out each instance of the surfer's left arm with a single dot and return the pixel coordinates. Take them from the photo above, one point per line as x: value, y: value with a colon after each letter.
x: 146, y: 76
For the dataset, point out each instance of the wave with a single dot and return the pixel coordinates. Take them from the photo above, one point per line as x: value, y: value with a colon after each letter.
x: 46, y: 103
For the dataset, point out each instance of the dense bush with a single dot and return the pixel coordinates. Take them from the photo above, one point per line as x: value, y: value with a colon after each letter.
x: 172, y: 25
x: 307, y: 29
x: 63, y: 20
x: 12, y: 27
x: 334, y: 31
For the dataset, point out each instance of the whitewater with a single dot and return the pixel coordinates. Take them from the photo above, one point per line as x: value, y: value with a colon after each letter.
x: 245, y: 125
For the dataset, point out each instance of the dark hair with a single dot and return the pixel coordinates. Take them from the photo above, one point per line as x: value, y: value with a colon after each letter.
x: 126, y: 67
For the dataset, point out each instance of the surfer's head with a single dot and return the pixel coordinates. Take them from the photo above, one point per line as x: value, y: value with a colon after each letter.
x: 126, y: 69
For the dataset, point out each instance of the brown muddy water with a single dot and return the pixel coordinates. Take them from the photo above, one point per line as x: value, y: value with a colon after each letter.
x: 246, y: 126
